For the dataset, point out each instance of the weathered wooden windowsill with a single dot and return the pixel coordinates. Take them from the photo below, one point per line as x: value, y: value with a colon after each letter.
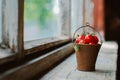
x: 42, y: 44
x: 105, y: 67
x: 6, y: 55
x: 39, y: 66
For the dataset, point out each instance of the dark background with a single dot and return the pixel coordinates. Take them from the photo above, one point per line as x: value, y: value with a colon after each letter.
x: 112, y: 26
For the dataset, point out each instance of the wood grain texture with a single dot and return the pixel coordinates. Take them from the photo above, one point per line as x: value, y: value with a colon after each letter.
x: 20, y: 28
x: 34, y: 50
x: 10, y: 22
x: 65, y: 17
x: 105, y: 67
x: 42, y: 44
x: 39, y: 65
x: 5, y: 27
x: 0, y: 21
x: 88, y: 11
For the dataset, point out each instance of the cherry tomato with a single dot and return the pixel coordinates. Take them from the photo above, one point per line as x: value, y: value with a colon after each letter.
x: 77, y: 40
x: 81, y: 42
x: 91, y: 43
x: 81, y: 37
x: 89, y: 39
x: 95, y: 39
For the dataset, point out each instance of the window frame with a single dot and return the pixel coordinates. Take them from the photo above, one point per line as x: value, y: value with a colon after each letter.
x: 18, y: 45
x: 66, y: 28
x: 24, y: 53
x: 20, y: 27
x: 10, y: 38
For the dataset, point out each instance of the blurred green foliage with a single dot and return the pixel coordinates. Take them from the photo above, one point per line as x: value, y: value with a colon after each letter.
x: 38, y: 10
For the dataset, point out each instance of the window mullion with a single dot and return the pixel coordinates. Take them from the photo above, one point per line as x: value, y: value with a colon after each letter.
x: 12, y: 24
x: 5, y: 30
x: 20, y: 28
x: 88, y: 8
x: 65, y: 7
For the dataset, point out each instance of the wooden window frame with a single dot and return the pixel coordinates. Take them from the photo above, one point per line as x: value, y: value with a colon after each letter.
x: 9, y: 42
x: 48, y: 42
x: 17, y: 44
x: 24, y: 50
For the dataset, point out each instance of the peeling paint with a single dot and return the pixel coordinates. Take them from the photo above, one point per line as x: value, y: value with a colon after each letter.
x: 10, y: 24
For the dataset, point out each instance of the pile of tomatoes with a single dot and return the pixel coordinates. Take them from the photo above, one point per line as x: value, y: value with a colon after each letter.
x: 87, y: 39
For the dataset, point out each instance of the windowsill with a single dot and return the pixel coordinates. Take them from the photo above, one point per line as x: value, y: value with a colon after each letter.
x: 40, y: 65
x: 105, y: 67
x: 5, y: 53
x: 42, y: 44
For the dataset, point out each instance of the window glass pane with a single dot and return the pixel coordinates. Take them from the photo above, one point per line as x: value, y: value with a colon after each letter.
x: 41, y: 19
x: 0, y: 20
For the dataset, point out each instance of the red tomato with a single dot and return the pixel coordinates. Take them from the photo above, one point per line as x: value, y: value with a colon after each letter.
x: 95, y: 39
x: 89, y: 39
x: 77, y: 40
x: 81, y: 37
x: 91, y: 43
x: 81, y: 42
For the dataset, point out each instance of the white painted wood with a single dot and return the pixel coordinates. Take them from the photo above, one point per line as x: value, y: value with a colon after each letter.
x: 65, y: 17
x: 0, y: 21
x: 105, y: 67
x: 10, y: 23
x: 5, y: 53
x: 88, y: 11
x: 5, y: 30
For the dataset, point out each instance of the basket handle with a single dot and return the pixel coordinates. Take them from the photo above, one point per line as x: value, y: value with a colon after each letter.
x: 87, y: 25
